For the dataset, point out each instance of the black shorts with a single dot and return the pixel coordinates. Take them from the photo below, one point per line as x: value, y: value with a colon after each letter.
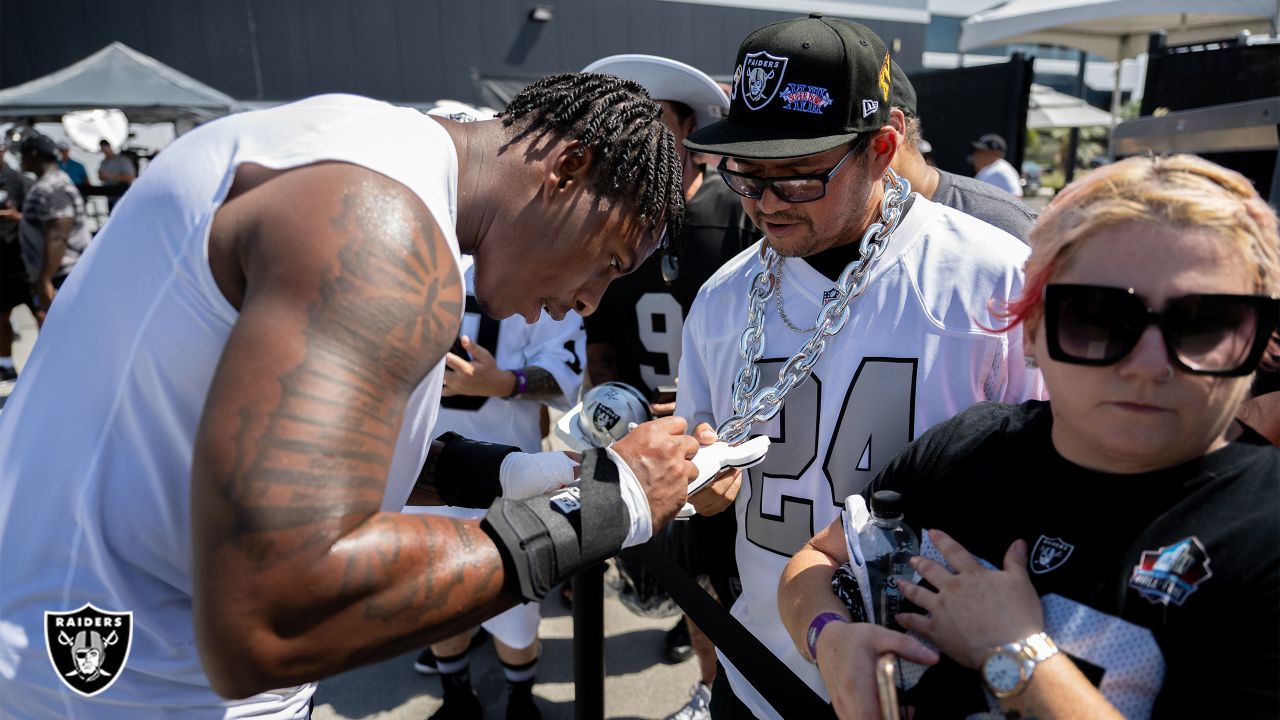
x: 15, y: 287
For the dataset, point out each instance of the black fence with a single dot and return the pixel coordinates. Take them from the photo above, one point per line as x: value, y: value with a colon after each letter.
x: 957, y: 106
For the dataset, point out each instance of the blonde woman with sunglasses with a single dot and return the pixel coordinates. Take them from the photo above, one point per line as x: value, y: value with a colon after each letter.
x: 1116, y: 551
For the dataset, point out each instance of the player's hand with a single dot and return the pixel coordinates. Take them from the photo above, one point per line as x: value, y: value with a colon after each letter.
x: 974, y: 609
x: 720, y: 493
x: 847, y: 654
x: 479, y: 376
x: 659, y: 454
x: 10, y: 214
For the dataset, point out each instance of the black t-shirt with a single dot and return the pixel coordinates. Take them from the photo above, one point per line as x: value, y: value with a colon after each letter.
x: 985, y: 202
x: 1163, y: 587
x: 643, y: 316
x: 16, y: 185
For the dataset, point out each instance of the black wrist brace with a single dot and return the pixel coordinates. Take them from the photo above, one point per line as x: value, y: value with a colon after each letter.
x: 545, y: 540
x: 466, y: 473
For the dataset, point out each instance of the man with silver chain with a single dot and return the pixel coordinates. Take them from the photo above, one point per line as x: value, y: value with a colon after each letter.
x: 901, y: 289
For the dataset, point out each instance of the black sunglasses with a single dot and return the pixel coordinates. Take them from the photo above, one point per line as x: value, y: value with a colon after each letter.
x: 788, y: 188
x: 1221, y: 335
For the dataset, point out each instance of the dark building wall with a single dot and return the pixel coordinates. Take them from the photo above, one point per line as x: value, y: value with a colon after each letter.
x: 406, y: 50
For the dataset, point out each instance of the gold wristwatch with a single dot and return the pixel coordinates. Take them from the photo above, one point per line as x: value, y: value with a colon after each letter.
x: 1007, y: 670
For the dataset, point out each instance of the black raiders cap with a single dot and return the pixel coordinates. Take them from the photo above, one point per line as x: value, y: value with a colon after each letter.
x: 801, y: 87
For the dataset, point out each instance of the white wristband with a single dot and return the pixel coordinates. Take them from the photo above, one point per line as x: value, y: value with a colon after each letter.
x: 637, y: 503
x: 526, y: 475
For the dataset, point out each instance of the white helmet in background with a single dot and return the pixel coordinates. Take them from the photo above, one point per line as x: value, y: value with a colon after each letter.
x: 605, y: 415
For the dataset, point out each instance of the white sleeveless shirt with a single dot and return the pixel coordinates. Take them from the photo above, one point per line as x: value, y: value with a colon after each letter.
x: 96, y: 441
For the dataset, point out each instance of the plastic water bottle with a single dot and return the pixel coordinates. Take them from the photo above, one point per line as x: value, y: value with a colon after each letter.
x: 888, y: 546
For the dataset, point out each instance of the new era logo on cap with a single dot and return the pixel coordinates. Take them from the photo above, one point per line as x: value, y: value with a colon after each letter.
x: 802, y: 87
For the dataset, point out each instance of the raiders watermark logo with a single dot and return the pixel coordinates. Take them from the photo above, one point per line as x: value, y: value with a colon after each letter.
x: 88, y: 647
x: 1049, y: 554
x: 1172, y: 573
x: 761, y: 77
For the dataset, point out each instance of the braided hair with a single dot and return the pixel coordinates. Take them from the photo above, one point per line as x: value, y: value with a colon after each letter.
x: 635, y: 159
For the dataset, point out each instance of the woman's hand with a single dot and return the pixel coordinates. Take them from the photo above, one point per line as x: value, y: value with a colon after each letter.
x: 974, y: 609
x: 847, y: 654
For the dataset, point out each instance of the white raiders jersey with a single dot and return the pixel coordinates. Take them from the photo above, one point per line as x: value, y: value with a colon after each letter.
x: 557, y: 346
x: 914, y: 353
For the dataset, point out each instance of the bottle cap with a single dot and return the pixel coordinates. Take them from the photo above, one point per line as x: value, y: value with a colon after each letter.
x: 886, y: 504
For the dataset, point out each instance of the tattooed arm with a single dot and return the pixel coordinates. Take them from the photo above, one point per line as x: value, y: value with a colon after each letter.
x: 348, y: 295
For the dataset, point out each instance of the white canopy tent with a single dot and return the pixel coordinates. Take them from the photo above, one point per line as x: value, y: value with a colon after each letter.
x: 1048, y: 108
x: 1116, y: 29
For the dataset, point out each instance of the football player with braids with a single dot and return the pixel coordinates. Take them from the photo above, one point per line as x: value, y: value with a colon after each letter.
x: 1115, y: 551
x: 268, y: 312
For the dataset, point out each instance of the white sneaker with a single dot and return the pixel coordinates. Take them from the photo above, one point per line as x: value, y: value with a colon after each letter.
x: 698, y: 707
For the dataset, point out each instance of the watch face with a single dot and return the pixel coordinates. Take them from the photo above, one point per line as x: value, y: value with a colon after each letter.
x: 1002, y: 672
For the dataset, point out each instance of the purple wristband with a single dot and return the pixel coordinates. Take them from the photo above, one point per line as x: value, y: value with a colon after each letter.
x: 522, y: 384
x: 815, y: 628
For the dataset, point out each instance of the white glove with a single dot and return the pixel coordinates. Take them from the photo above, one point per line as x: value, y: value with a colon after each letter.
x: 526, y: 475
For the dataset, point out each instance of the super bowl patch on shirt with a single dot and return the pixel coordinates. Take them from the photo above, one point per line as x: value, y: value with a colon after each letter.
x: 1172, y: 573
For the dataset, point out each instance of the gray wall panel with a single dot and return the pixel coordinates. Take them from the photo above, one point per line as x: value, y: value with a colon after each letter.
x: 407, y: 50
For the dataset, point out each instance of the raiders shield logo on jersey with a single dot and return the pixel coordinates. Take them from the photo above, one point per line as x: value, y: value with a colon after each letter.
x: 1049, y: 554
x: 88, y: 647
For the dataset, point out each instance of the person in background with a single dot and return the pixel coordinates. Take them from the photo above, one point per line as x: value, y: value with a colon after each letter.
x: 497, y: 380
x: 15, y: 285
x: 116, y: 172
x: 73, y: 168
x: 52, y: 232
x: 634, y: 335
x: 1114, y: 551
x: 991, y: 167
x: 966, y: 194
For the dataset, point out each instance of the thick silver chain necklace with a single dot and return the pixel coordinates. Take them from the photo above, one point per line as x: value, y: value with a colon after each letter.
x: 751, y: 403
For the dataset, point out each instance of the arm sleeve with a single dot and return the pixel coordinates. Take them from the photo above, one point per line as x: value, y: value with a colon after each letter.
x: 693, y: 400
x: 559, y: 347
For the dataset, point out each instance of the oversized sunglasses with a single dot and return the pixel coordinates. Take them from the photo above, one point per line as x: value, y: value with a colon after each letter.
x: 788, y: 188
x: 1222, y: 335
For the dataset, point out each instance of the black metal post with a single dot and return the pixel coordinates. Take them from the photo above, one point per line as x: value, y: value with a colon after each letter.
x: 588, y: 644
x: 1073, y: 140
